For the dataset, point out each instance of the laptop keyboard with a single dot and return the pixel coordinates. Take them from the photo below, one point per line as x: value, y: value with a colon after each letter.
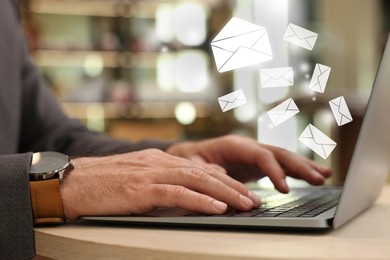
x: 301, y: 203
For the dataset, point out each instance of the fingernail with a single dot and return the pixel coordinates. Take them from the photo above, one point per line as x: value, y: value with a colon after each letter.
x: 327, y: 172
x: 256, y: 200
x: 246, y: 201
x: 220, y: 206
x: 318, y: 175
x: 285, y: 186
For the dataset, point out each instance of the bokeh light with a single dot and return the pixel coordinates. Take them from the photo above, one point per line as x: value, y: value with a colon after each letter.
x: 93, y: 65
x: 190, y: 24
x: 185, y: 113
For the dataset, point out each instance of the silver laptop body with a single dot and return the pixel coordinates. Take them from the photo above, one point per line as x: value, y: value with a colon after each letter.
x: 366, y: 176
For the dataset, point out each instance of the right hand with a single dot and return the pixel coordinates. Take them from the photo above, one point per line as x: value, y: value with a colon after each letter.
x: 135, y: 183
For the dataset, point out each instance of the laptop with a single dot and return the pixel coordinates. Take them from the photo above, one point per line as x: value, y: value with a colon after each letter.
x: 324, y: 207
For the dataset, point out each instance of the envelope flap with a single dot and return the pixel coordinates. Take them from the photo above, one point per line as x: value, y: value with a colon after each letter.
x: 284, y: 107
x: 263, y: 44
x: 232, y: 97
x: 336, y: 101
x: 277, y: 73
x: 306, y: 134
x: 292, y: 105
x: 280, y: 109
x: 243, y: 40
x: 236, y: 27
x: 319, y: 137
x: 222, y: 54
x: 323, y: 68
x: 300, y: 32
x: 244, y: 57
x: 324, y: 75
x: 344, y: 109
x: 341, y: 106
x: 289, y: 32
x: 320, y: 78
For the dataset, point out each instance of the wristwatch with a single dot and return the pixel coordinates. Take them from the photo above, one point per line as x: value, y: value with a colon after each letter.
x: 47, y: 172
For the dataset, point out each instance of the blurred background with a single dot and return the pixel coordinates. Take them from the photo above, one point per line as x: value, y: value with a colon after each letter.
x: 137, y: 69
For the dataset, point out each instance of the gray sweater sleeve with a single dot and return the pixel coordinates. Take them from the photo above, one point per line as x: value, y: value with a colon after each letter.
x: 16, y: 226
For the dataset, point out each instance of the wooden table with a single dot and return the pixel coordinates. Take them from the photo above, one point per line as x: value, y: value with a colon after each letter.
x: 365, y: 237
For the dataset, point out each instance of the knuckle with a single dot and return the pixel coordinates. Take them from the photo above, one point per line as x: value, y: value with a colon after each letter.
x: 203, y: 200
x: 152, y: 152
x: 198, y: 174
x: 238, y: 186
x: 229, y: 192
x: 208, y: 168
x: 283, y: 152
x: 140, y: 204
x: 179, y: 191
x: 157, y: 191
x: 268, y: 155
x: 234, y: 139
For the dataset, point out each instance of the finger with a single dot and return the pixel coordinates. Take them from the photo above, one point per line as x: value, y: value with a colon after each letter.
x: 271, y: 167
x: 172, y: 196
x: 218, y: 167
x: 266, y: 162
x: 313, y: 179
x: 325, y: 171
x: 238, y: 186
x: 197, y: 179
x: 299, y: 167
x: 255, y: 154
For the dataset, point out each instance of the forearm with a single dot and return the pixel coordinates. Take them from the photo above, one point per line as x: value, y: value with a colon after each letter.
x: 82, y: 142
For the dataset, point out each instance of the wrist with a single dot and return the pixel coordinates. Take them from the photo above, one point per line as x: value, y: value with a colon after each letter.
x: 46, y: 174
x: 69, y: 191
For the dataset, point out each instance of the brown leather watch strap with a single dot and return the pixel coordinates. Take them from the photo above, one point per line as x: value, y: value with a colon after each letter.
x: 46, y: 202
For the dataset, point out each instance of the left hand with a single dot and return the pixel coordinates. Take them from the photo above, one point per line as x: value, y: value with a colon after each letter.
x: 247, y: 160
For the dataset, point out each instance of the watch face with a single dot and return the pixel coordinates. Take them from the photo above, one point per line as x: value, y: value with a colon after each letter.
x: 46, y: 165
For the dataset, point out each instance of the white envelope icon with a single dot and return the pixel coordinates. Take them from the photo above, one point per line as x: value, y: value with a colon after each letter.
x: 277, y: 77
x: 320, y: 78
x: 232, y: 100
x: 240, y: 44
x: 300, y: 36
x: 283, y: 112
x: 317, y: 141
x: 340, y: 111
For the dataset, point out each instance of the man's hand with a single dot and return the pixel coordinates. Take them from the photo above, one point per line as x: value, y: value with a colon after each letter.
x: 246, y: 160
x: 138, y: 182
x: 196, y: 176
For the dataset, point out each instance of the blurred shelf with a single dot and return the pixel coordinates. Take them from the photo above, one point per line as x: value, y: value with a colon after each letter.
x: 110, y: 59
x: 142, y: 60
x: 120, y: 59
x: 146, y: 9
x: 73, y: 58
x: 76, y: 7
x: 141, y: 110
x: 107, y: 8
